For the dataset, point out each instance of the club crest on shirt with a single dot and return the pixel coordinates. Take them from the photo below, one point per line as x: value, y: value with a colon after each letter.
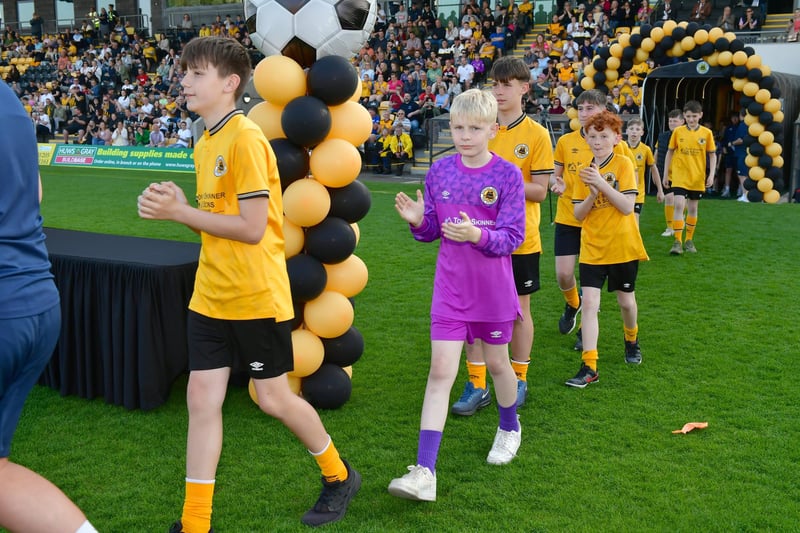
x: 611, y: 179
x: 701, y: 141
x: 489, y: 195
x: 220, y: 167
x: 521, y: 151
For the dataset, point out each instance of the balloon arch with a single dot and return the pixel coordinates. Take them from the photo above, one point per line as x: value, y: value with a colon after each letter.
x: 666, y: 41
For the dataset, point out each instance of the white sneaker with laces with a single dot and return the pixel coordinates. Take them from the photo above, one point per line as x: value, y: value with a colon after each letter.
x: 419, y: 484
x: 669, y: 232
x: 505, y: 446
x: 743, y: 198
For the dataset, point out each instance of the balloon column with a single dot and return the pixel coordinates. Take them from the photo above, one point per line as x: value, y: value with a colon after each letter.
x: 668, y: 41
x: 314, y: 123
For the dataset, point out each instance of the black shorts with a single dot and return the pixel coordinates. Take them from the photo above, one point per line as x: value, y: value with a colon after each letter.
x: 567, y: 240
x: 691, y: 195
x: 637, y: 208
x: 262, y: 346
x: 621, y: 276
x: 668, y: 189
x: 526, y: 272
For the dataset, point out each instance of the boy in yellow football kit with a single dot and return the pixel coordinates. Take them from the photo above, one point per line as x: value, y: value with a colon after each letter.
x: 241, y: 309
x: 692, y: 151
x: 525, y: 143
x: 611, y: 246
x: 643, y: 157
x: 571, y: 154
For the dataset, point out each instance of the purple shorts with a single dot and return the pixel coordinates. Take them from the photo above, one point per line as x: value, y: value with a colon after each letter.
x: 446, y: 329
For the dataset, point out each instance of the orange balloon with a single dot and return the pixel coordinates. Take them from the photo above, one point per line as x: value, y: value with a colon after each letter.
x: 648, y: 44
x: 656, y: 34
x: 357, y: 231
x: 773, y: 105
x: 615, y: 50
x: 348, y: 370
x: 328, y: 315
x: 589, y: 70
x: 750, y: 160
x: 612, y: 63
x: 777, y: 116
x: 762, y: 96
x: 624, y: 39
x: 279, y: 79
x: 713, y: 59
x: 701, y: 36
x: 306, y: 202
x: 750, y: 89
x: 575, y: 124
x: 677, y: 50
x: 268, y: 117
x: 777, y: 161
x: 350, y: 121
x: 766, y: 138
x: 335, y: 163
x: 773, y: 149
x: 688, y: 43
x: 725, y: 58
x: 753, y: 62
x: 611, y: 76
x: 756, y: 174
x: 294, y: 238
x: 587, y: 83
x: 755, y: 129
x: 572, y: 112
x: 356, y: 96
x: 765, y: 184
x: 730, y: 36
x: 740, y: 58
x: 308, y: 353
x: 669, y: 26
x: 715, y: 33
x: 738, y: 83
x: 348, y: 277
x: 772, y: 196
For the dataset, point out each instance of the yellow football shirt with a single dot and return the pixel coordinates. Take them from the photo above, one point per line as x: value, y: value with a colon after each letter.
x: 689, y: 157
x: 235, y: 280
x: 643, y: 156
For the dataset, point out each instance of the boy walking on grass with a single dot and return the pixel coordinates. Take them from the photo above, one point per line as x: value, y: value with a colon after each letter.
x: 474, y: 202
x: 643, y: 156
x: 674, y: 120
x: 611, y: 246
x: 525, y: 143
x: 691, y: 153
x: 241, y: 309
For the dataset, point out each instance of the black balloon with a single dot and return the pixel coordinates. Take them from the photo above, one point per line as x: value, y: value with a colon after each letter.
x: 577, y: 90
x: 351, y: 202
x: 775, y: 92
x: 756, y: 149
x: 603, y: 51
x: 307, y: 277
x: 721, y: 44
x: 736, y: 45
x: 306, y: 121
x: 644, y: 30
x: 774, y: 173
x: 599, y: 79
x: 327, y: 388
x: 755, y: 196
x: 331, y: 241
x: 332, y: 79
x: 776, y: 128
x: 706, y: 49
x: 345, y: 349
x: 599, y: 64
x: 667, y: 42
x: 749, y: 50
x: 765, y: 117
x: 629, y: 52
x: 754, y: 75
x: 755, y: 108
x: 765, y: 161
x: 745, y: 100
x: 298, y: 307
x: 749, y: 184
x: 767, y: 82
x: 692, y: 28
x: 748, y: 139
x: 292, y: 161
x: 636, y: 39
x: 678, y: 33
x: 739, y: 71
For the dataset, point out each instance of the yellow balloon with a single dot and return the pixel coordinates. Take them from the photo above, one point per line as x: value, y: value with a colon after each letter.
x: 701, y: 37
x: 725, y: 58
x: 335, y: 163
x: 612, y: 63
x: 279, y: 79
x: 306, y: 202
x: 773, y: 150
x: 295, y: 384
x: 740, y: 58
x: 656, y: 34
x: 328, y: 315
x: 587, y: 83
x: 575, y: 124
x: 268, y: 117
x: 648, y: 44
x: 753, y: 62
x: 755, y: 129
x: 773, y: 105
x: 294, y: 238
x: 715, y: 33
x: 777, y: 116
x: 688, y: 43
x: 350, y: 121
x: 641, y: 56
x: 589, y: 71
x: 356, y: 96
x: 308, y: 352
x: 348, y: 370
x: 677, y: 50
x: 738, y: 84
x: 348, y: 277
x: 713, y: 59
x: 357, y: 231
x: 615, y: 50
x: 772, y: 196
x: 765, y: 70
x: 765, y: 184
x: 750, y: 119
x: 757, y: 174
x: 750, y: 160
x: 777, y: 161
x: 762, y: 96
x: 683, y: 24
x: 611, y: 76
x: 766, y: 138
x: 624, y: 39
x: 572, y: 112
x: 669, y: 26
x: 729, y: 35
x: 750, y: 88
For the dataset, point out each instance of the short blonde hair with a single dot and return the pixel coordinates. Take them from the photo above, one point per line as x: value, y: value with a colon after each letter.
x: 475, y: 104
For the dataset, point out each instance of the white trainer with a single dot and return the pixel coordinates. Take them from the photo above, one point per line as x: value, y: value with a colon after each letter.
x: 669, y: 232
x: 419, y: 484
x: 504, y: 449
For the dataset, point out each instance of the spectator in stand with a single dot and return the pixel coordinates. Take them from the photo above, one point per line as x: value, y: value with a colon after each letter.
x: 556, y: 107
x: 749, y: 21
x: 700, y: 11
x: 120, y: 135
x: 156, y: 135
x: 793, y: 31
x: 627, y: 16
x: 37, y: 23
x: 643, y: 13
x: 726, y: 20
x: 629, y: 107
x: 186, y: 28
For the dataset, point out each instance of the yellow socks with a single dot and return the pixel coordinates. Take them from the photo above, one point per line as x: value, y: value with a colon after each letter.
x: 631, y: 334
x: 477, y: 374
x: 572, y: 297
x: 691, y: 222
x: 677, y: 227
x: 333, y: 469
x: 520, y: 369
x: 669, y: 211
x: 196, y: 517
x: 589, y: 358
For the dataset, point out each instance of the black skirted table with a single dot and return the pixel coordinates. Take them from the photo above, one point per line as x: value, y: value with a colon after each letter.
x: 123, y: 327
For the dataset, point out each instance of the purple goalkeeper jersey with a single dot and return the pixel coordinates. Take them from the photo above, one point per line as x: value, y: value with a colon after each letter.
x: 475, y: 282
